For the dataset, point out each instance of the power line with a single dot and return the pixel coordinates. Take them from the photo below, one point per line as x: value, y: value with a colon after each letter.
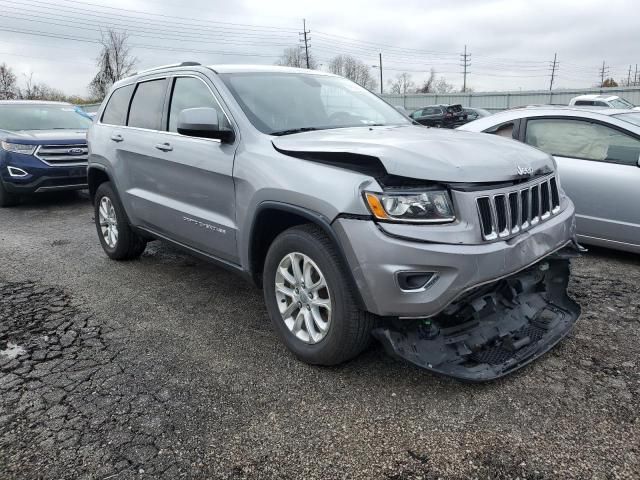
x: 172, y: 17
x: 39, y: 7
x: 135, y: 45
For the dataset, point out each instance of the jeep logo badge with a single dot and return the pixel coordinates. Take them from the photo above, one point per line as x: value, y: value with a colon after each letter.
x: 75, y: 151
x: 525, y: 170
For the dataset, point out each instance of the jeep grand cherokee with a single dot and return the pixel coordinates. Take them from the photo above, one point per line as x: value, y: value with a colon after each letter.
x: 451, y: 248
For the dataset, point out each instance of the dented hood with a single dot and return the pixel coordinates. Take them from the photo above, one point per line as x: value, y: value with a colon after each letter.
x: 425, y: 153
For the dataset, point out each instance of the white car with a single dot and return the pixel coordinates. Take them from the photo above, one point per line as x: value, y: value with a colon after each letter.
x: 598, y: 156
x: 604, y: 101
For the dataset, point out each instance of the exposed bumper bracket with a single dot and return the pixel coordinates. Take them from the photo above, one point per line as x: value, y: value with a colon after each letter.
x: 493, y: 330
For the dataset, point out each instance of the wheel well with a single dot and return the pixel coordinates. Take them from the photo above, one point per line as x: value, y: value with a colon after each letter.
x: 96, y: 177
x: 268, y: 224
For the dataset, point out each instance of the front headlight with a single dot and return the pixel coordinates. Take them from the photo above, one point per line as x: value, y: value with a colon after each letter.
x: 413, y: 207
x: 18, y: 148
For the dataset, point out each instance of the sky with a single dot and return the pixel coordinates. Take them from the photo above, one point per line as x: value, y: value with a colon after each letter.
x: 512, y: 43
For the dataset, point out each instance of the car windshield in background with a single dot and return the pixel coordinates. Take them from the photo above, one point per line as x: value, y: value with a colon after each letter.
x: 620, y: 103
x: 633, y: 118
x: 41, y: 117
x: 282, y: 103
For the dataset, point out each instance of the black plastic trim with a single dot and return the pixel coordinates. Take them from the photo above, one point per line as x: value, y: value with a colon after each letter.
x: 234, y: 267
x: 317, y: 219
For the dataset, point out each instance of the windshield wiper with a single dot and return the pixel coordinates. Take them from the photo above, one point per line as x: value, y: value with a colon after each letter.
x: 295, y: 130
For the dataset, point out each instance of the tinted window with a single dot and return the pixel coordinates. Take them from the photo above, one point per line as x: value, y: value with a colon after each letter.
x: 582, y: 139
x: 115, y: 112
x: 600, y: 104
x: 189, y: 92
x: 146, y: 106
x: 583, y: 103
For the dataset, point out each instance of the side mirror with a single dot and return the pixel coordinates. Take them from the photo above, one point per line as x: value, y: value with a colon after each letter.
x: 203, y: 122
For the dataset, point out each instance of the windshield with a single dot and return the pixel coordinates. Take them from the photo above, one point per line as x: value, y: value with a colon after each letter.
x: 633, y: 118
x: 620, y: 103
x: 41, y: 117
x: 281, y: 103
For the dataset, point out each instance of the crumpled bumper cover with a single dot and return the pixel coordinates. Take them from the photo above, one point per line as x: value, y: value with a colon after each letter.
x: 494, y: 329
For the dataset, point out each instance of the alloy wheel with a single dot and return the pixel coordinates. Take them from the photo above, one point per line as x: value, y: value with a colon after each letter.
x: 108, y: 222
x: 303, y: 297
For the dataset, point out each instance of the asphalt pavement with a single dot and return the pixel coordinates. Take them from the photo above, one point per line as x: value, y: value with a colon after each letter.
x: 167, y: 367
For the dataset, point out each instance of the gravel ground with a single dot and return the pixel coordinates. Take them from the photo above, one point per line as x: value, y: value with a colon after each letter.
x: 167, y: 367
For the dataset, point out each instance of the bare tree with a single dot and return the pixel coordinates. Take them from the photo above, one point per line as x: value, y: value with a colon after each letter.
x: 8, y: 83
x: 428, y: 84
x: 115, y: 62
x: 40, y: 91
x: 353, y: 69
x: 295, y: 57
x: 402, y: 85
x: 442, y: 86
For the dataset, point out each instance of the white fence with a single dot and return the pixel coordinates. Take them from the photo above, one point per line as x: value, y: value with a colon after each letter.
x: 496, y: 101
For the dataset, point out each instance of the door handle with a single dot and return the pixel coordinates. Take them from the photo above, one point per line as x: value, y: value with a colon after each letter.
x: 165, y: 147
x: 116, y: 137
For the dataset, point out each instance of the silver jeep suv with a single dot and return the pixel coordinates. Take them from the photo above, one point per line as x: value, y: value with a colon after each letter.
x: 451, y: 248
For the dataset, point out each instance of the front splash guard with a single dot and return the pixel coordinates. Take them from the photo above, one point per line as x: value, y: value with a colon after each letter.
x: 494, y: 329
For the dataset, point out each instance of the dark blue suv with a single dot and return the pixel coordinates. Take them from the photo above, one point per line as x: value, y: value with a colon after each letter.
x: 43, y: 147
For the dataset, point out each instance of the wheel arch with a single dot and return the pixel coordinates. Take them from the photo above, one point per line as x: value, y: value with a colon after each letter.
x: 97, y: 175
x: 271, y: 219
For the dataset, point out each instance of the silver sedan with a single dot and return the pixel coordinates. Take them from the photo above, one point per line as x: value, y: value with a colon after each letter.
x: 598, y: 157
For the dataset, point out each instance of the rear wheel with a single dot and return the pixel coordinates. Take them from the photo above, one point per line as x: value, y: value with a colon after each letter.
x: 310, y: 300
x: 118, y: 239
x: 7, y: 199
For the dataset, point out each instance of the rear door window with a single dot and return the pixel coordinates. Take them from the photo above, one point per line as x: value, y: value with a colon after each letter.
x: 583, y: 139
x: 584, y: 103
x: 147, y: 105
x: 115, y: 113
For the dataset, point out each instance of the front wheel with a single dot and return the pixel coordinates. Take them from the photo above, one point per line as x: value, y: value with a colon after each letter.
x: 310, y: 299
x: 117, y: 238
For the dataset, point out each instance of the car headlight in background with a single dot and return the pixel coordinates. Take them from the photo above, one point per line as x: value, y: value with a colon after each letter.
x: 18, y: 148
x: 412, y: 207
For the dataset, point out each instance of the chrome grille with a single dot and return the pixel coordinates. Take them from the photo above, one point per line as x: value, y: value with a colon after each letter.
x: 506, y: 213
x: 63, y: 155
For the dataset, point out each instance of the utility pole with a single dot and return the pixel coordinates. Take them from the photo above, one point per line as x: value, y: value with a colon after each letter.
x: 554, y: 66
x: 306, y: 40
x: 381, y: 84
x: 603, y: 71
x: 635, y: 77
x: 629, y: 77
x: 466, y: 62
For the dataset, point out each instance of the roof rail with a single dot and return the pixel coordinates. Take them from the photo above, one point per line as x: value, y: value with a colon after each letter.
x: 183, y: 64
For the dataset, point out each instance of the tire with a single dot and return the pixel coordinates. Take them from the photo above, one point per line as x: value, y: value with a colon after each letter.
x: 127, y: 244
x: 349, y: 329
x: 7, y: 199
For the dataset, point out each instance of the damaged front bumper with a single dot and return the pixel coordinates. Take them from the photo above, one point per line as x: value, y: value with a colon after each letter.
x: 494, y: 329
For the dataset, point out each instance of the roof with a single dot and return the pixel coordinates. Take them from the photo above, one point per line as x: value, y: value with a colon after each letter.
x: 564, y: 108
x: 595, y: 96
x: 604, y: 114
x: 231, y: 68
x: 31, y: 102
